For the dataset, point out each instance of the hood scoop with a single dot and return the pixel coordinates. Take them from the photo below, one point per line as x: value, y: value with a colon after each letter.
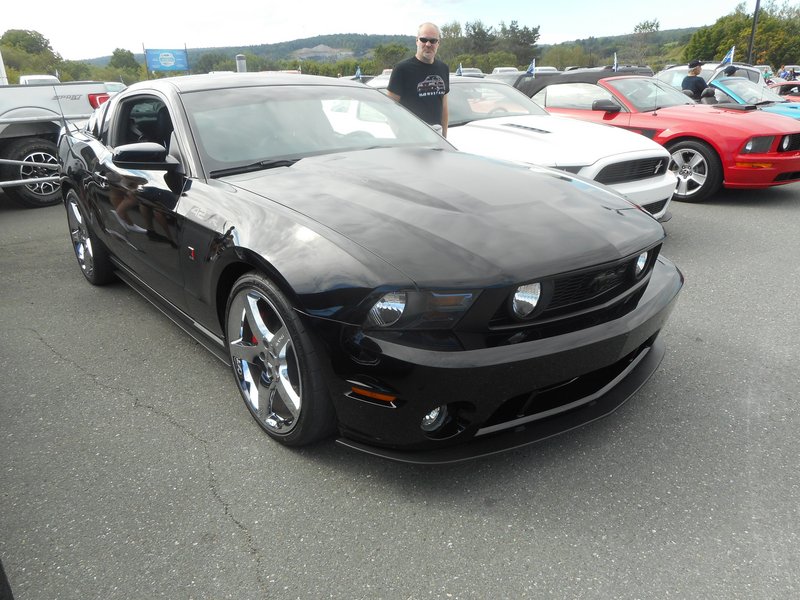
x: 527, y: 128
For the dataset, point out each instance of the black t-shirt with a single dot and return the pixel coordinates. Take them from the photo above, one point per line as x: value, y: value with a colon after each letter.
x: 421, y: 87
x: 695, y: 83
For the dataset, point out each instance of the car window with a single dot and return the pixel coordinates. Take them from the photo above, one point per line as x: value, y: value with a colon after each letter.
x: 749, y: 92
x: 142, y: 119
x: 481, y: 99
x: 571, y: 95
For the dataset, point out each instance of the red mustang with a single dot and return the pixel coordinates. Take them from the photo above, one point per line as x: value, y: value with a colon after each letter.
x: 731, y: 145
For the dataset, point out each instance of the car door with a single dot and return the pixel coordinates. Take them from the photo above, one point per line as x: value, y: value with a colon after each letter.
x: 138, y: 205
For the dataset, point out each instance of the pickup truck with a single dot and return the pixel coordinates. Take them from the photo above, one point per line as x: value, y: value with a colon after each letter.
x: 31, y: 117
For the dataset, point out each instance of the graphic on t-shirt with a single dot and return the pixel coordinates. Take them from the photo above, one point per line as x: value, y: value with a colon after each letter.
x: 432, y: 85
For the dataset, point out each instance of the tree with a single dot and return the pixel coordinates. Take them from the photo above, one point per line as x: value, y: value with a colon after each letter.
x: 521, y: 42
x: 28, y: 52
x: 641, y: 35
x: 28, y: 41
x: 480, y: 38
x: 565, y: 55
x: 123, y: 60
x: 387, y: 56
x: 71, y: 70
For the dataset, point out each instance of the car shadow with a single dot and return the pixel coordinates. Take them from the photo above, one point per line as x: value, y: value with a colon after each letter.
x: 774, y: 197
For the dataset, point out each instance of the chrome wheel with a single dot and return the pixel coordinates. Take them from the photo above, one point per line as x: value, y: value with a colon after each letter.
x: 92, y: 255
x: 274, y: 363
x: 265, y: 362
x: 81, y: 241
x: 697, y: 168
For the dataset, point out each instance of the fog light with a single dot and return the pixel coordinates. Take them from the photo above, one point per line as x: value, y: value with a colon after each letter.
x: 525, y: 299
x: 434, y: 419
x: 641, y: 263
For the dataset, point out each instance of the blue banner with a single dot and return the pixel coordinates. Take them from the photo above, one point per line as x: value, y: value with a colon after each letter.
x: 166, y: 60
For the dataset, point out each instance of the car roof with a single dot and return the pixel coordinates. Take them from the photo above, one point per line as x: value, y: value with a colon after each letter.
x: 193, y: 83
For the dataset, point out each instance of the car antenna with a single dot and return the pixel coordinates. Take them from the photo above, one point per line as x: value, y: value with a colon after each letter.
x: 63, y: 116
x: 658, y: 89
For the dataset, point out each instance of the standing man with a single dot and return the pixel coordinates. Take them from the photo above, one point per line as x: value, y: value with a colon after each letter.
x: 421, y: 83
x: 693, y: 82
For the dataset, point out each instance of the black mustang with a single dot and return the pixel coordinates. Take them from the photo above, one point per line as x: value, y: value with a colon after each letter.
x: 361, y: 276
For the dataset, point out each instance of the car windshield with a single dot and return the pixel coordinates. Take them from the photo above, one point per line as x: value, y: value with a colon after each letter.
x: 674, y: 76
x: 482, y: 99
x: 245, y: 127
x: 749, y: 92
x: 647, y: 94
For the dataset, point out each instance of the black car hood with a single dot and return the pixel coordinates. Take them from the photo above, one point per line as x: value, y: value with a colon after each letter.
x: 450, y: 218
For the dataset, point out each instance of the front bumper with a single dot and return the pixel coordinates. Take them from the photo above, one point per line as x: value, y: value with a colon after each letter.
x: 502, y: 397
x: 762, y: 171
x: 653, y: 194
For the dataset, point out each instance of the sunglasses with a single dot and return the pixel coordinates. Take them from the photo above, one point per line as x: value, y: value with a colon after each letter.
x: 432, y: 41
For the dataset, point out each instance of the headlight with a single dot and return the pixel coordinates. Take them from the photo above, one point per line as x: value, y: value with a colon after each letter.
x: 785, y: 142
x: 388, y: 310
x: 419, y: 310
x: 525, y: 299
x: 758, y: 145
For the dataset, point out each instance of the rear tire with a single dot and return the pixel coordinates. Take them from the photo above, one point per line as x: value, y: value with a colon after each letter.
x: 275, y: 364
x: 35, y: 195
x: 698, y: 169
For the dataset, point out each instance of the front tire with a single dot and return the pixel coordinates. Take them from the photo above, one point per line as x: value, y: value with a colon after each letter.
x: 93, y: 258
x: 31, y: 151
x: 275, y: 364
x: 698, y: 169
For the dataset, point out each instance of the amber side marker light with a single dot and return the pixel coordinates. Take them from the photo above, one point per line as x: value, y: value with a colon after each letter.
x: 754, y: 165
x: 360, y: 391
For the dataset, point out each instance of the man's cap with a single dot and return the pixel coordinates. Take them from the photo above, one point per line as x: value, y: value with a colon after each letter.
x: 694, y: 63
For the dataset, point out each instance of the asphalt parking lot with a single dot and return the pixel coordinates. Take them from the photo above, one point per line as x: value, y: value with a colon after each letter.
x: 131, y: 468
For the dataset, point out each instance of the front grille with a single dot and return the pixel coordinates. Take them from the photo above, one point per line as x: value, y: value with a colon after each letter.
x: 579, y: 296
x: 791, y: 176
x: 655, y: 207
x: 583, y: 287
x: 794, y: 143
x: 632, y: 170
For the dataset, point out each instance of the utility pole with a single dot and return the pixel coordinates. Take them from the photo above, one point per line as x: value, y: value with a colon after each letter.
x: 753, y: 34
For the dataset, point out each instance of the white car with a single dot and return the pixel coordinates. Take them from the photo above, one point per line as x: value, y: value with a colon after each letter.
x: 491, y: 118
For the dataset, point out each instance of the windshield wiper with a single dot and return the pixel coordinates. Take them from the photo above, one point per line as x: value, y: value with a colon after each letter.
x: 256, y: 166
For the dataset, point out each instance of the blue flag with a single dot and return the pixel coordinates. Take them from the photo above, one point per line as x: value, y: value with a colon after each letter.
x: 531, y: 69
x: 728, y: 58
x: 458, y: 70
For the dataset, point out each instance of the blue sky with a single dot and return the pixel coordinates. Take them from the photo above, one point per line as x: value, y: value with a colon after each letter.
x: 97, y: 29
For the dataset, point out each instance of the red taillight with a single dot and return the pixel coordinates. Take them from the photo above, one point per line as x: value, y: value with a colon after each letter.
x: 97, y: 99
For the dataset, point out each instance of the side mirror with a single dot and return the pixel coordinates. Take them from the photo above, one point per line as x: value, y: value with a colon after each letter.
x: 144, y: 155
x: 606, y: 105
x: 708, y: 93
